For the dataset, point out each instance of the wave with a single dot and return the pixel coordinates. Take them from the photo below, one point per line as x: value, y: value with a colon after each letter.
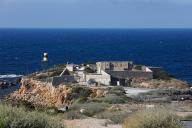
x: 10, y: 76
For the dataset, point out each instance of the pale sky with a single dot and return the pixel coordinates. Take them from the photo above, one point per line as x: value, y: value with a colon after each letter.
x: 96, y: 13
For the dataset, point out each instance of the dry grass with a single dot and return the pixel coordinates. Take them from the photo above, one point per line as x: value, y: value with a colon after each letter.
x: 116, y: 117
x: 156, y: 118
x: 14, y: 117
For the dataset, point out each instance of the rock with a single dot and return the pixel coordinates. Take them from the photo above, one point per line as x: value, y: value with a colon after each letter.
x: 44, y: 94
x: 150, y: 106
x: 114, y: 108
x: 82, y: 110
x: 4, y: 85
x: 64, y: 109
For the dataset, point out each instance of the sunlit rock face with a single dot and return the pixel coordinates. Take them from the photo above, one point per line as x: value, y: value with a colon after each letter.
x: 44, y: 94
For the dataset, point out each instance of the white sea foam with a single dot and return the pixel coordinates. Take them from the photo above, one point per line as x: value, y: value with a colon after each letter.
x: 9, y: 76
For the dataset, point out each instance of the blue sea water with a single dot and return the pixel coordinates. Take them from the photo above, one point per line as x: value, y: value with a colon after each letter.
x: 21, y: 49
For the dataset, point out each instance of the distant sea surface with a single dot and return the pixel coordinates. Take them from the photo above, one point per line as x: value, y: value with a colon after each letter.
x: 21, y: 50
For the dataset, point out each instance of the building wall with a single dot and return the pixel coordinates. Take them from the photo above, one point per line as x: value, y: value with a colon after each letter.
x: 131, y: 74
x: 127, y: 77
x: 114, y: 65
x: 80, y: 76
x: 102, y: 78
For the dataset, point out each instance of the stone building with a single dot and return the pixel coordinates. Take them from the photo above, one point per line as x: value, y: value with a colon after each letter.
x: 123, y: 72
x: 114, y: 65
x: 102, y: 78
x: 106, y: 73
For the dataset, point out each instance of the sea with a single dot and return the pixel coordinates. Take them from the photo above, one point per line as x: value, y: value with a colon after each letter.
x: 21, y: 50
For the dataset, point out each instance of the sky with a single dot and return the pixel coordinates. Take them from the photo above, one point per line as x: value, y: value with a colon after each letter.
x: 95, y: 13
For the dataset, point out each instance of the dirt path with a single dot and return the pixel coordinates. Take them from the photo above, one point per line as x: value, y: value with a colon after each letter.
x: 89, y: 123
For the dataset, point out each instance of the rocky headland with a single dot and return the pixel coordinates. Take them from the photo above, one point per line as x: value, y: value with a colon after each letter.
x: 44, y: 94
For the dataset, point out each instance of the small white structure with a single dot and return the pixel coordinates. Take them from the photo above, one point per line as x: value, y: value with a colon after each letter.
x: 118, y: 83
x: 70, y: 67
x: 146, y: 69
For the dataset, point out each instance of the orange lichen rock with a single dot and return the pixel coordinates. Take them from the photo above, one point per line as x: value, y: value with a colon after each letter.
x: 41, y: 93
x: 44, y: 94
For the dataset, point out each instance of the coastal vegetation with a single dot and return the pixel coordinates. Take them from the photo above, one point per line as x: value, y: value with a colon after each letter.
x: 39, y: 104
x: 164, y: 95
x: 187, y: 118
x: 19, y: 117
x: 156, y: 118
x: 56, y: 70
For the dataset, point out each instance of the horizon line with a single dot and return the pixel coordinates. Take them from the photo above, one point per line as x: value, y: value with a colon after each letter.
x: 95, y: 27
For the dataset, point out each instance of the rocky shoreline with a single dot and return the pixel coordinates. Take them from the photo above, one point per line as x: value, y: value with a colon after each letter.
x: 8, y: 84
x: 7, y: 91
x: 8, y: 81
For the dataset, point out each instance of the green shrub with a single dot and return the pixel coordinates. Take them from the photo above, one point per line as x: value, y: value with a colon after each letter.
x: 2, y: 124
x: 188, y: 118
x: 15, y: 117
x: 93, y: 108
x: 116, y: 117
x: 79, y: 92
x: 163, y: 95
x: 55, y: 73
x: 111, y: 99
x: 71, y: 115
x: 117, y: 90
x: 82, y: 100
x: 90, y: 109
x: 59, y: 67
x: 152, y: 119
x: 138, y: 67
x: 41, y: 76
x: 56, y: 68
x: 25, y: 104
x: 162, y: 74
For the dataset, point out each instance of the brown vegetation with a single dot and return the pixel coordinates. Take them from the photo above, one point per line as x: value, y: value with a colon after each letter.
x: 155, y: 118
x: 172, y: 83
